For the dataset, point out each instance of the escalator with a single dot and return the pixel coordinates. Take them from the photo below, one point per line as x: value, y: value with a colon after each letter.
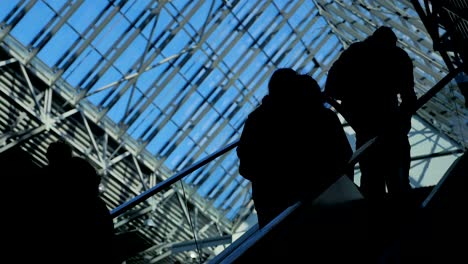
x: 341, y: 226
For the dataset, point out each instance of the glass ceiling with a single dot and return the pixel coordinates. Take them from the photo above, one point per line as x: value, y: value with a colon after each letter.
x: 178, y: 76
x: 176, y: 79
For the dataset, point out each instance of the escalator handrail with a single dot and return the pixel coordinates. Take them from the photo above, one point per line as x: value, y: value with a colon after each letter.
x: 169, y: 181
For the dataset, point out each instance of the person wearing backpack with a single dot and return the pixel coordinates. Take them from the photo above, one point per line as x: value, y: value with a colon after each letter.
x: 374, y: 84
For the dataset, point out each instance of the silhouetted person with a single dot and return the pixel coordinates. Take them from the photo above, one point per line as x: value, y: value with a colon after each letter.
x: 291, y: 146
x: 374, y: 81
x: 83, y: 225
x: 21, y: 207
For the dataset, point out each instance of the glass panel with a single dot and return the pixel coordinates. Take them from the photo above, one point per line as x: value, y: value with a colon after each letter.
x: 7, y: 7
x: 32, y: 23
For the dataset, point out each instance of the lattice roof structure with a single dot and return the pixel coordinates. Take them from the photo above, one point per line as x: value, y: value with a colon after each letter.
x: 143, y: 89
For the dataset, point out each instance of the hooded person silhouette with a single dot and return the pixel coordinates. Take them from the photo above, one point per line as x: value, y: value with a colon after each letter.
x: 281, y: 140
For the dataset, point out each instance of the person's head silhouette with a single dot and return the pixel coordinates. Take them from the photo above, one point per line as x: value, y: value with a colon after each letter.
x: 58, y: 151
x: 383, y: 37
x: 309, y: 90
x: 280, y: 80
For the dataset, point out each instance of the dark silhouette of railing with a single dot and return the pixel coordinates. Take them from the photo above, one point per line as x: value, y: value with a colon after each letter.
x: 169, y: 181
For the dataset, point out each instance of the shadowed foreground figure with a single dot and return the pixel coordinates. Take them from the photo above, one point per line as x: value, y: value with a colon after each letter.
x: 81, y: 227
x: 291, y: 147
x: 374, y: 81
x: 54, y: 212
x: 22, y: 210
